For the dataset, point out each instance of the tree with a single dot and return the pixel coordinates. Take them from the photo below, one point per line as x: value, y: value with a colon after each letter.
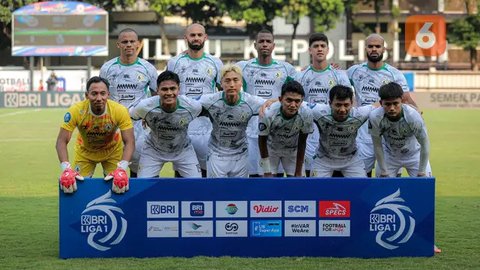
x: 465, y: 33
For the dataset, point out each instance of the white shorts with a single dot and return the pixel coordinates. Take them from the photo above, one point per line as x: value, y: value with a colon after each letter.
x: 227, y: 166
x: 139, y: 132
x: 254, y: 158
x: 287, y: 160
x: 410, y: 163
x: 152, y: 161
x: 366, y: 153
x: 350, y: 167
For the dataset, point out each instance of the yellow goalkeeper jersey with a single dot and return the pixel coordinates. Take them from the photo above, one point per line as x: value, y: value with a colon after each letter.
x: 97, y: 132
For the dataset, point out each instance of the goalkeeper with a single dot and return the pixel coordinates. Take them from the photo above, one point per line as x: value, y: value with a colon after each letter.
x: 102, y: 124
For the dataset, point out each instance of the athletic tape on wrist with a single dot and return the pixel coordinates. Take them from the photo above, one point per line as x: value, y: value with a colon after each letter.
x: 123, y: 164
x: 65, y: 165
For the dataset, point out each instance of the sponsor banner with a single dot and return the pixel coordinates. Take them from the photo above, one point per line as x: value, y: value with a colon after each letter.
x: 197, y: 228
x: 266, y: 228
x: 296, y: 228
x: 231, y: 209
x: 162, y: 210
x: 266, y: 209
x: 159, y: 229
x: 300, y: 209
x: 337, y: 209
x: 39, y: 99
x: 448, y: 100
x: 353, y: 218
x: 339, y: 228
x: 197, y: 209
x: 231, y: 228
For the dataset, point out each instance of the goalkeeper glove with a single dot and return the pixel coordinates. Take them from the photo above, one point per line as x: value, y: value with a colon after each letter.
x: 68, y: 183
x: 120, y: 177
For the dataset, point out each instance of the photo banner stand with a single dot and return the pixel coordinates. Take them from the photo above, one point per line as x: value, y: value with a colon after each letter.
x: 265, y: 217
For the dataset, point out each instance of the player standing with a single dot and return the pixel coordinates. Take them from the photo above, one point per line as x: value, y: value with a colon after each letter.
x: 168, y: 116
x: 263, y: 77
x: 283, y: 132
x: 367, y: 78
x: 317, y: 80
x: 199, y: 75
x: 103, y: 125
x: 131, y: 79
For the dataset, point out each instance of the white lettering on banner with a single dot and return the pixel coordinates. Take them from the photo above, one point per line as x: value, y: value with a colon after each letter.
x: 62, y: 99
x: 299, y: 46
x: 17, y: 100
x: 392, y: 221
x: 104, y: 223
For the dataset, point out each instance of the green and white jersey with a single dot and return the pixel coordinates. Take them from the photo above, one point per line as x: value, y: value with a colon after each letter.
x: 283, y: 132
x: 317, y: 83
x: 402, y: 137
x: 338, y: 139
x: 168, y: 129
x: 264, y: 81
x: 228, y: 137
x: 198, y: 76
x: 129, y: 83
x: 367, y: 83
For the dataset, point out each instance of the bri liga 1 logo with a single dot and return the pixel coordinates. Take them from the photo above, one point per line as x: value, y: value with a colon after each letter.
x: 425, y: 35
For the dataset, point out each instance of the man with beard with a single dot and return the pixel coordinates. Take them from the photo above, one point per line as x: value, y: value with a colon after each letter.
x: 263, y: 77
x: 131, y: 79
x: 367, y: 78
x: 199, y: 74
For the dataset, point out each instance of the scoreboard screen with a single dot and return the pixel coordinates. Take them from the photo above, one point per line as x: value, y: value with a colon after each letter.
x: 64, y: 30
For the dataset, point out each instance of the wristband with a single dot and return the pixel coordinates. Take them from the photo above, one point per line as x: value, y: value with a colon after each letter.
x: 65, y: 165
x: 265, y: 165
x: 123, y: 164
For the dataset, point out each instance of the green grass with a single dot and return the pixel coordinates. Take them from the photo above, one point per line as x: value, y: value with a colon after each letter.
x: 29, y: 203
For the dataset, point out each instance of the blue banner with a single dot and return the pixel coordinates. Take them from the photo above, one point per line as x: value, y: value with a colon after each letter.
x: 250, y: 218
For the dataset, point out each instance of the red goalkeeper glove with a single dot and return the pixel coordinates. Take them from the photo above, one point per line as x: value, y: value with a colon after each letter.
x: 68, y: 183
x: 120, y: 178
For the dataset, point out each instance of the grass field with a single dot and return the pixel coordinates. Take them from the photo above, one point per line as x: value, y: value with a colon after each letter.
x: 29, y: 202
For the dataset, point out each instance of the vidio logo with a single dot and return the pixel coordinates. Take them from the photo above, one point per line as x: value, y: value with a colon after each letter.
x: 103, y: 221
x: 392, y: 221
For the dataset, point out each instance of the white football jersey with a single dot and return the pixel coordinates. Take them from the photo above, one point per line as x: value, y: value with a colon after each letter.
x: 197, y: 76
x: 168, y: 129
x: 367, y: 83
x: 317, y: 83
x: 229, y: 122
x: 282, y: 132
x: 338, y: 139
x: 264, y: 81
x: 400, y: 137
x: 129, y: 83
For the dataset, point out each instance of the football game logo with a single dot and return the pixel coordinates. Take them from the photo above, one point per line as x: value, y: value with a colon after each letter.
x: 425, y: 35
x: 103, y: 221
x: 392, y: 221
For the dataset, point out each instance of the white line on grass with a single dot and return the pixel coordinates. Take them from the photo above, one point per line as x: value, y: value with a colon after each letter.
x: 19, y: 112
x: 25, y: 140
